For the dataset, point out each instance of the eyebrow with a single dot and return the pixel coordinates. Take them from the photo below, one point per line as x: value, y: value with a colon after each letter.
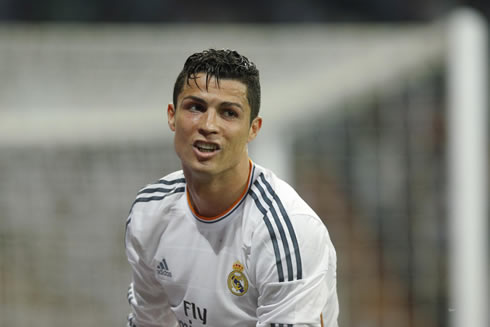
x: 227, y: 104
x: 194, y: 98
x: 222, y: 104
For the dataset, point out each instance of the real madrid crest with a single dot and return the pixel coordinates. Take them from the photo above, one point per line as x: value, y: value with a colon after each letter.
x: 237, y: 282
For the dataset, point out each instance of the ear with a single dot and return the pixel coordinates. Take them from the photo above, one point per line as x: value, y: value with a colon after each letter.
x: 254, y: 128
x: 171, y: 116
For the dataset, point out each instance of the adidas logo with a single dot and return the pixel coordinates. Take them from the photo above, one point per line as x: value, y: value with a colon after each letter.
x: 162, y: 268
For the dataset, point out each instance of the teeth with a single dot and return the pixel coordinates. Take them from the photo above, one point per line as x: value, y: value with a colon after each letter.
x: 206, y: 147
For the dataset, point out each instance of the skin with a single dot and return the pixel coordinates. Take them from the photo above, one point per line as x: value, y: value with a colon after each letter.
x: 218, y: 117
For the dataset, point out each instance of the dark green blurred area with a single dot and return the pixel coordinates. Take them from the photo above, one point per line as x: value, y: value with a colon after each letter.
x: 253, y: 11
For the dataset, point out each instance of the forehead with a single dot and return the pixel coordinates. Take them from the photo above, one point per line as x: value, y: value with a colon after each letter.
x: 227, y: 90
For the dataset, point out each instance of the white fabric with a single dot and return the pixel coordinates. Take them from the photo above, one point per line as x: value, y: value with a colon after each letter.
x: 285, y: 263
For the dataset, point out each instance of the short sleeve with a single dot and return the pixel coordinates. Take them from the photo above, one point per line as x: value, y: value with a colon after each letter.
x: 295, y: 272
x: 146, y: 296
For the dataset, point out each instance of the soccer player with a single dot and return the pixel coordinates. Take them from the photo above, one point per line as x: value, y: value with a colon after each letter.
x: 224, y: 242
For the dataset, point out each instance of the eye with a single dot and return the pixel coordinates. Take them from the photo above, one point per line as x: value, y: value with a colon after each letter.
x: 197, y: 107
x: 230, y: 113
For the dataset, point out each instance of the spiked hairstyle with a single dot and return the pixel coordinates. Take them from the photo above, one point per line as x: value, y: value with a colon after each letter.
x: 222, y: 64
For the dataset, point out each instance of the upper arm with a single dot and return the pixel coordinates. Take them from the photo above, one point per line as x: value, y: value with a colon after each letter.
x: 147, y: 298
x: 295, y: 274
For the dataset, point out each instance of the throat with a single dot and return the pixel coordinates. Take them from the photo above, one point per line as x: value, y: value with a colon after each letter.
x: 214, y: 200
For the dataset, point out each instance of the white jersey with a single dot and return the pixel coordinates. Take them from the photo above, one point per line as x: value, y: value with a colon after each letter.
x: 267, y: 261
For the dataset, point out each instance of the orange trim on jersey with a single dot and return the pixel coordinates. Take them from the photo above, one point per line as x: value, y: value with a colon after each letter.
x: 321, y: 319
x: 231, y: 207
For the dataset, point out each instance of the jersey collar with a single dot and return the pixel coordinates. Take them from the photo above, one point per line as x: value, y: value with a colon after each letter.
x: 232, y: 208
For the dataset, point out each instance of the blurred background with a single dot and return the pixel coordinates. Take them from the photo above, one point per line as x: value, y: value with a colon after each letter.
x: 355, y: 107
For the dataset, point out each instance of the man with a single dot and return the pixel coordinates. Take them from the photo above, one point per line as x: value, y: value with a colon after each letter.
x: 224, y: 242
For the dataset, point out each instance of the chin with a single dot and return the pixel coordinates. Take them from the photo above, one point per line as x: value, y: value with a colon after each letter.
x: 203, y: 167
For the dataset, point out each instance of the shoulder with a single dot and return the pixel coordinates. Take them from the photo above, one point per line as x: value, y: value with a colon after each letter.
x: 271, y: 193
x: 154, y: 194
x: 151, y: 208
x: 295, y: 236
x: 171, y: 184
x: 279, y: 203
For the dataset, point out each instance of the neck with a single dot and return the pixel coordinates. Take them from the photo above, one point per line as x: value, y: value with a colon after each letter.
x: 213, y: 196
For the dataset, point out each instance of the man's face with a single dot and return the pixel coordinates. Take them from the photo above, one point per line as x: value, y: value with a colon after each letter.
x: 212, y: 127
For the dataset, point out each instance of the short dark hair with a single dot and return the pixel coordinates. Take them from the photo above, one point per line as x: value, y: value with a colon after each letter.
x: 222, y: 64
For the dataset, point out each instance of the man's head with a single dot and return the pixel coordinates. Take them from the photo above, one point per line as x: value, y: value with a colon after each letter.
x: 222, y: 64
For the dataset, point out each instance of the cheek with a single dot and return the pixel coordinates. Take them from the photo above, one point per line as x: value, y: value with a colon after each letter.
x: 240, y: 139
x: 181, y: 136
x: 184, y: 125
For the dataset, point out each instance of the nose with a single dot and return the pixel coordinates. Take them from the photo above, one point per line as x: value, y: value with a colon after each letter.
x: 209, y: 122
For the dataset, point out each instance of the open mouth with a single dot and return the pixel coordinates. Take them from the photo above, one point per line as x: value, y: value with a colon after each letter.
x: 206, y: 146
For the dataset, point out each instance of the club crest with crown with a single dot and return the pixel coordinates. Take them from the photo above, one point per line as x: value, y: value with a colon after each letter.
x: 237, y: 281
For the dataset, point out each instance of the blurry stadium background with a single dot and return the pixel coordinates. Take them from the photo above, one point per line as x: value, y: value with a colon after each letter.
x: 355, y: 117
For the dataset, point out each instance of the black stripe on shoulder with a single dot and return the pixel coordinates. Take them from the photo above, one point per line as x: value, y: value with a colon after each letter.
x: 280, y: 228
x: 272, y: 234
x: 159, y: 197
x: 149, y: 199
x: 155, y: 188
x: 148, y: 190
x: 171, y: 182
x: 290, y: 227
